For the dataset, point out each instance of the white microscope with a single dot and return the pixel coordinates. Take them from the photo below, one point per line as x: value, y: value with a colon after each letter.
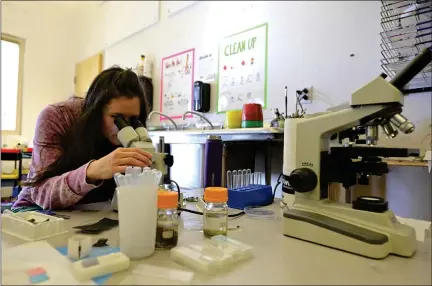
x: 135, y: 135
x: 366, y: 227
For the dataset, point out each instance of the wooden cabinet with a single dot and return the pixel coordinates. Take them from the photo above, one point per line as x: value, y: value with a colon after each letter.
x: 85, y: 73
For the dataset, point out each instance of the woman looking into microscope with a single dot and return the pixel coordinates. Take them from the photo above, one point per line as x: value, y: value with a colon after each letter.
x: 76, y: 151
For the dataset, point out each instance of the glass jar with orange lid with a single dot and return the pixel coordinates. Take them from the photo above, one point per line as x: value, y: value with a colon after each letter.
x: 167, y: 220
x: 215, y: 217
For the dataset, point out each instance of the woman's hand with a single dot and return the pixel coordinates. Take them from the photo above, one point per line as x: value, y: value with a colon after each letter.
x: 116, y: 162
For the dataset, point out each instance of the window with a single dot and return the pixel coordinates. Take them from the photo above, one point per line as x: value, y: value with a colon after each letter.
x: 12, y: 55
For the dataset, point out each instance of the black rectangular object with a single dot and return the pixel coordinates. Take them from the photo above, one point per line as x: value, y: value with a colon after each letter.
x: 98, y: 227
x: 354, y: 152
x: 201, y: 96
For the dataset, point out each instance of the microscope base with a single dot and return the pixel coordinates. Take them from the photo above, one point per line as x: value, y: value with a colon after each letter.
x: 373, y: 235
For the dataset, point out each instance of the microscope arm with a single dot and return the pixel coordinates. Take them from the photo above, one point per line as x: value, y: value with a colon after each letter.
x: 312, y: 137
x: 327, y: 123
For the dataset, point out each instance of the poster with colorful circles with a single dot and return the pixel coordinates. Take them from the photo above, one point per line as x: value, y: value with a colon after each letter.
x: 242, y: 72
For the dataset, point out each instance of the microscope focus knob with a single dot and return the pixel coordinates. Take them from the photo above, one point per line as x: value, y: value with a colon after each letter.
x: 303, y: 180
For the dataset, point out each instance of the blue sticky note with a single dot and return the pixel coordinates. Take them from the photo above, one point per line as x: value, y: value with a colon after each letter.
x: 35, y: 279
x: 96, y: 251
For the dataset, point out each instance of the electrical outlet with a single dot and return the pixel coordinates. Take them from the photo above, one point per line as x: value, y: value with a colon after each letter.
x: 310, y: 96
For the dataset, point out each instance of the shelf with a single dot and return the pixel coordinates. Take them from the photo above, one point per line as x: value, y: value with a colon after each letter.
x: 407, y: 30
x: 406, y: 163
x: 9, y: 177
x: 14, y: 175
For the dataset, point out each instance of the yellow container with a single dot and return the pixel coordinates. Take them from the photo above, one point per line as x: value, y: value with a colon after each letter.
x: 233, y: 119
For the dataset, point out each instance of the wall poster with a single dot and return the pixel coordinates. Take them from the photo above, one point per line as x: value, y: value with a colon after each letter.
x: 242, y: 72
x: 207, y: 67
x: 177, y: 80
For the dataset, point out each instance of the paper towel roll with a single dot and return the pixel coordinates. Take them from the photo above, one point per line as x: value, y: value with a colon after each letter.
x: 137, y: 211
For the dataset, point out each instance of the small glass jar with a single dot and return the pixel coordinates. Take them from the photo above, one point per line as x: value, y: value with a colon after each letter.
x: 167, y: 220
x: 215, y: 216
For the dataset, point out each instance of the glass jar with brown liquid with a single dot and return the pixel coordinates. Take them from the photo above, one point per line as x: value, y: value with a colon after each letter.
x: 167, y: 220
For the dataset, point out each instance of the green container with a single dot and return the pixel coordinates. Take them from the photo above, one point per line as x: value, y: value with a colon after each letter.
x: 252, y: 124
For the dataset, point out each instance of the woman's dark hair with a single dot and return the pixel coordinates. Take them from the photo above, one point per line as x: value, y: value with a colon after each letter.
x: 85, y: 140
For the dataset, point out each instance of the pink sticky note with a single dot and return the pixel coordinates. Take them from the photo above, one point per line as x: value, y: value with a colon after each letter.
x: 36, y: 271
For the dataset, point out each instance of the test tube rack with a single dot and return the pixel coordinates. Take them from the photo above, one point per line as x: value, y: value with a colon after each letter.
x: 250, y: 196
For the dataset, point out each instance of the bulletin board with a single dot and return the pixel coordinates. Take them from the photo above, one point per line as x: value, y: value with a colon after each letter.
x: 177, y: 81
x: 242, y: 69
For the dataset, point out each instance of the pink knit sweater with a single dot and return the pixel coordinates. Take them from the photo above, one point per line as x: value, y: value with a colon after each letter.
x: 61, y: 191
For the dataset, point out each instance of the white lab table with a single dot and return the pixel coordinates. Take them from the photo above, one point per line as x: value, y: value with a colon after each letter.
x: 279, y: 259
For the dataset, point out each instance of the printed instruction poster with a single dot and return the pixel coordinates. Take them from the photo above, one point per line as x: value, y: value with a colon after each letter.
x: 207, y: 67
x: 242, y: 72
x: 177, y: 81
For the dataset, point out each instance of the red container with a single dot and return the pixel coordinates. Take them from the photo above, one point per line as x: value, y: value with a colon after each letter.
x: 252, y: 112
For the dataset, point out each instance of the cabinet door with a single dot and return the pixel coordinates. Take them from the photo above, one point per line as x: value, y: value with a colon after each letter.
x: 85, y: 73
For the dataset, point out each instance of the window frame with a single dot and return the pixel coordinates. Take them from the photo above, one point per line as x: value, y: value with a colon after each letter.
x: 21, y: 43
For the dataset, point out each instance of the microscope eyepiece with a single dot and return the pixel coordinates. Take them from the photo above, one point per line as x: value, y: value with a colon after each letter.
x: 412, y: 69
x: 120, y: 122
x: 135, y: 122
x: 402, y: 123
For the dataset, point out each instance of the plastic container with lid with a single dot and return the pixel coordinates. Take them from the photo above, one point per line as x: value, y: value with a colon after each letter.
x: 140, y: 66
x: 223, y: 260
x: 167, y: 221
x: 33, y: 226
x: 252, y: 116
x: 148, y: 67
x: 194, y: 259
x: 210, y: 256
x: 215, y: 217
x: 238, y: 249
x: 233, y: 119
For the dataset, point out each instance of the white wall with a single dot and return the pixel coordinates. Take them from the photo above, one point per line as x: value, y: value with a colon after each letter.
x: 91, y: 28
x: 49, y: 29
